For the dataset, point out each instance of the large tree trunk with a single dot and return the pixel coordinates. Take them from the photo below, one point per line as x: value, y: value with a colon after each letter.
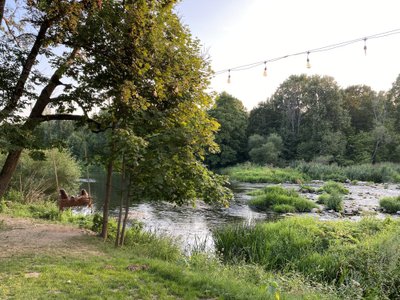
x: 8, y: 170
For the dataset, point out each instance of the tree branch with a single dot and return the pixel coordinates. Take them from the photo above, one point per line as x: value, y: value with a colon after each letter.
x: 26, y: 70
x: 68, y: 117
x: 2, y: 5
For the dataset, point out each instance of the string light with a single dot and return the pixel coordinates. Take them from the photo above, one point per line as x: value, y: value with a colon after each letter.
x: 265, y: 74
x: 320, y: 49
x: 365, y: 46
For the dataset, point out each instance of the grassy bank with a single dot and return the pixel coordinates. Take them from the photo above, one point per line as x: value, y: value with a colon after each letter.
x: 256, y: 174
x: 148, y: 267
x: 362, y: 259
x: 301, y: 172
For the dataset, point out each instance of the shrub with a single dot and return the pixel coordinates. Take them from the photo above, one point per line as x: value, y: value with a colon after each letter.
x: 281, y: 200
x: 390, y: 204
x: 34, y: 179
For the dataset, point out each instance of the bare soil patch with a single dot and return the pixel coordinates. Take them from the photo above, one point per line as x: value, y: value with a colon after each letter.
x: 31, y: 236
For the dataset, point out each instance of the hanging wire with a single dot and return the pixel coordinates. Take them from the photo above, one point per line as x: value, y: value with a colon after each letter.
x: 315, y: 50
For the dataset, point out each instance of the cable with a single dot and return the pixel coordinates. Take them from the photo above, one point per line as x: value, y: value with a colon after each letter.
x: 308, y: 52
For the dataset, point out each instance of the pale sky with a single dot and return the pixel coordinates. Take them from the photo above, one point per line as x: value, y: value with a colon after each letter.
x: 238, y: 32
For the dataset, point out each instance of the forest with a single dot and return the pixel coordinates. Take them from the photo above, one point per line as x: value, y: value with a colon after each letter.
x: 310, y: 118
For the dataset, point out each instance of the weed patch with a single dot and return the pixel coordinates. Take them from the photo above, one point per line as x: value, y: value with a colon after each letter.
x: 281, y: 200
x: 390, y: 204
x: 363, y: 254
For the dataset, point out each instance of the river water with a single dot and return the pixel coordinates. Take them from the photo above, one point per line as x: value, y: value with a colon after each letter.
x: 192, y: 226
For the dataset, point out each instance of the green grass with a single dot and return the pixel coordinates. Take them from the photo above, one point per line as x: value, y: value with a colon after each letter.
x: 46, y: 210
x: 257, y: 174
x: 332, y: 196
x: 163, y: 273
x: 379, y: 173
x: 390, y: 204
x: 331, y: 187
x: 280, y: 200
x: 302, y: 172
x: 361, y: 259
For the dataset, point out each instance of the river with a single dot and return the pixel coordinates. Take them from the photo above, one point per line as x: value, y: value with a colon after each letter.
x: 192, y: 226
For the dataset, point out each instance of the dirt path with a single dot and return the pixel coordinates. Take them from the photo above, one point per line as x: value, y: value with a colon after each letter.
x: 34, y: 236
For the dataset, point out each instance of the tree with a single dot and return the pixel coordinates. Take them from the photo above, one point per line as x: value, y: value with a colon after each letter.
x: 136, y: 63
x: 310, y: 108
x: 231, y: 137
x: 55, y: 22
x: 358, y: 101
x: 264, y: 119
x: 265, y: 150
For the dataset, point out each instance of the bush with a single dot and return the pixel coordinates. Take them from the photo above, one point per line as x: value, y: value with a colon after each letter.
x: 390, y: 204
x: 34, y: 179
x: 281, y: 200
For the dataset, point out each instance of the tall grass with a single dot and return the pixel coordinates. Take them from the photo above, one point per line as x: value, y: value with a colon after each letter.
x: 379, y: 173
x: 390, y: 204
x: 280, y: 200
x: 257, y: 174
x: 332, y: 197
x: 342, y: 252
x: 302, y: 172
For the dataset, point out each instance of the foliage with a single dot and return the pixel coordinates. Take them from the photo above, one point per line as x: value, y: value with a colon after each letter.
x: 231, y: 137
x: 383, y: 172
x: 390, y: 204
x: 267, y: 152
x: 348, y: 254
x: 332, y: 187
x: 332, y: 201
x: 36, y: 175
x: 281, y: 200
x: 254, y: 174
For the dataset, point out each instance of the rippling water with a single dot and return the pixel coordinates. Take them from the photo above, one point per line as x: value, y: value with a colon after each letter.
x: 192, y: 226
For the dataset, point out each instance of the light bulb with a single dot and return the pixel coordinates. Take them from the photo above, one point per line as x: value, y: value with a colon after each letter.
x: 308, y: 61
x: 229, y: 76
x: 265, y: 74
x: 365, y: 46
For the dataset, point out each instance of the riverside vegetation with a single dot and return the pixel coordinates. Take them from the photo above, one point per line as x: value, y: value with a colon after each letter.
x: 360, y: 259
x: 147, y: 267
x: 305, y: 171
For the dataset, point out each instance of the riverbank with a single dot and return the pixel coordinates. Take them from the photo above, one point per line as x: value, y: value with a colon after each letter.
x: 43, y: 260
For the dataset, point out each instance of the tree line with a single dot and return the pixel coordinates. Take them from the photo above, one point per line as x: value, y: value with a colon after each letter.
x: 310, y: 118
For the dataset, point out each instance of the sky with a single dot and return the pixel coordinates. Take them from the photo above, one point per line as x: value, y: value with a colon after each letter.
x: 239, y: 32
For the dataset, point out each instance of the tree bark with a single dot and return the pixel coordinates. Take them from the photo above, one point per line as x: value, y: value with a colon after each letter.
x: 104, y: 231
x: 121, y: 204
x: 8, y: 170
x: 2, y: 6
x: 127, y: 204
